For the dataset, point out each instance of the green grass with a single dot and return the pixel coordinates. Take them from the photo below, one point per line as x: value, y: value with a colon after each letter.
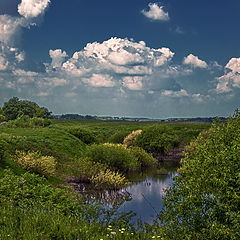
x: 58, y: 143
x: 104, y: 130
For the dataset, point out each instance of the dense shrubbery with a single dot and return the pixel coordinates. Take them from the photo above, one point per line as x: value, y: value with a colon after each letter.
x: 35, y: 162
x: 115, y: 156
x: 83, y: 134
x: 157, y: 139
x: 14, y: 108
x: 25, y: 121
x: 130, y: 139
x: 204, y: 202
x: 2, y: 149
x: 144, y: 159
x: 84, y: 168
x: 2, y: 118
x: 31, y: 209
x: 108, y: 180
x: 118, y: 137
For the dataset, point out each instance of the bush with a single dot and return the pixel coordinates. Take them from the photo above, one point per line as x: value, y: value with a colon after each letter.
x: 39, y: 122
x: 118, y: 137
x: 14, y: 108
x: 25, y: 121
x: 108, y: 180
x: 157, y: 139
x: 2, y: 118
x: 83, y: 134
x: 116, y: 156
x: 144, y: 158
x: 2, y: 149
x: 204, y: 201
x: 84, y: 168
x: 131, y: 138
x: 35, y: 162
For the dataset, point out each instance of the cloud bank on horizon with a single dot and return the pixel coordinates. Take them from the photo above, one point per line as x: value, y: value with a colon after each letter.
x: 118, y: 76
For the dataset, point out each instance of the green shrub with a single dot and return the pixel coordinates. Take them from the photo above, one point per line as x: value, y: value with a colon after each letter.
x: 25, y: 121
x: 2, y: 118
x: 35, y: 162
x: 145, y: 159
x: 83, y: 134
x: 108, y: 180
x: 204, y: 201
x: 131, y: 138
x: 84, y: 168
x: 2, y: 149
x: 116, y: 156
x: 118, y: 137
x: 39, y: 122
x: 157, y: 139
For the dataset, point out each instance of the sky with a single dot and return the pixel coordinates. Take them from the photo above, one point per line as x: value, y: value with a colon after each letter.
x: 134, y: 58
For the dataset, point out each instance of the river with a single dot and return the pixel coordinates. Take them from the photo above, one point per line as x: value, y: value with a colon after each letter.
x: 144, y: 196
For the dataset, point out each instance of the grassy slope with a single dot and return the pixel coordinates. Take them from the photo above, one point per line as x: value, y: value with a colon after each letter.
x: 53, y: 142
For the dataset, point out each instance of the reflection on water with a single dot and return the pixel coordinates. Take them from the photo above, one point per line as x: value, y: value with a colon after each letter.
x: 144, y: 196
x: 147, y: 196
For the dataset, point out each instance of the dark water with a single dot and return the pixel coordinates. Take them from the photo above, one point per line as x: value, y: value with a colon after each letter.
x: 147, y: 195
x: 144, y: 196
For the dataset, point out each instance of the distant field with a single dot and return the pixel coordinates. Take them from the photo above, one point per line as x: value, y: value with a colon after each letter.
x: 105, y: 129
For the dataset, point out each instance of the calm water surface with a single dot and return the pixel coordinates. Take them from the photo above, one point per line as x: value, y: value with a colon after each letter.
x: 144, y: 196
x: 147, y: 194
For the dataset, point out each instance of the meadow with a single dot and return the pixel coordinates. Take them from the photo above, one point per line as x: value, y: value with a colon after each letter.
x: 37, y: 162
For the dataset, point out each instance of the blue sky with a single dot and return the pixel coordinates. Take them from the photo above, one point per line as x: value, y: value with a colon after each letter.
x: 122, y: 58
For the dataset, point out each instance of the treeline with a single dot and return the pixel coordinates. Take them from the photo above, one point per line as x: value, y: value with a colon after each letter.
x: 14, y: 108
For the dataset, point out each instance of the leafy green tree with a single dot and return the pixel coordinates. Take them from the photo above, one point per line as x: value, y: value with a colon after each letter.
x: 14, y: 108
x: 204, y: 202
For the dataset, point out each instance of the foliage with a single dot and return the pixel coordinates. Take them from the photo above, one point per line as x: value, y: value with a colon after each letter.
x: 24, y: 121
x: 145, y: 159
x: 2, y: 149
x: 204, y: 202
x: 35, y: 162
x: 84, y: 168
x: 83, y: 134
x: 159, y: 138
x: 131, y: 138
x: 64, y: 147
x: 32, y: 209
x: 2, y: 118
x: 118, y: 137
x: 116, y: 156
x: 108, y: 180
x: 14, y: 108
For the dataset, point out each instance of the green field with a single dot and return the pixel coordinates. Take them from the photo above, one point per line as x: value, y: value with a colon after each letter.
x: 37, y: 203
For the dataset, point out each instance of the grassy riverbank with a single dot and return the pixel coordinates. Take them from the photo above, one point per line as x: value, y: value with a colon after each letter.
x: 36, y: 203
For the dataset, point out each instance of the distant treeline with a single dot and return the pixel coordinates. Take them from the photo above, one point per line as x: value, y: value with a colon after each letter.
x: 89, y: 117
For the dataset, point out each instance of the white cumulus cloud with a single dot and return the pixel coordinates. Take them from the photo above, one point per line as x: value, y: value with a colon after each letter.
x: 58, y: 56
x: 32, y: 8
x: 133, y: 83
x: 100, y: 80
x: 194, y: 61
x: 156, y: 12
x: 231, y: 79
x: 129, y: 63
x: 3, y: 63
x: 196, y: 97
x: 8, y: 27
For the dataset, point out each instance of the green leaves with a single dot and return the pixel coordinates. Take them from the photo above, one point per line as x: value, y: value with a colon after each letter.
x: 15, y: 108
x: 205, y: 199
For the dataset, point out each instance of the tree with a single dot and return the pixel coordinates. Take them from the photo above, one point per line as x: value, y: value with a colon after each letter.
x: 204, y: 201
x: 15, y: 108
